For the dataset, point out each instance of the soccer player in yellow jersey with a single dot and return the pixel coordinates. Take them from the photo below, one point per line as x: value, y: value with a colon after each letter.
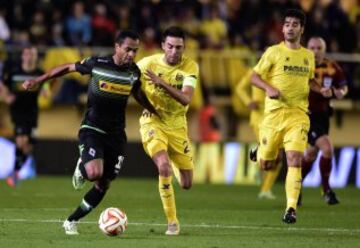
x: 285, y: 72
x: 169, y: 80
x: 254, y: 99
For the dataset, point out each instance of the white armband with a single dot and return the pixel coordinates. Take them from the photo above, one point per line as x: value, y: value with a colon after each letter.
x: 190, y: 81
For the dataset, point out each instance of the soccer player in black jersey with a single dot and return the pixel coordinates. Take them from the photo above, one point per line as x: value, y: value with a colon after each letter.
x: 23, y: 105
x: 102, y: 136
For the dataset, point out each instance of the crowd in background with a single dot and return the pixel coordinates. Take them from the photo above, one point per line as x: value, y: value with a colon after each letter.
x: 219, y: 28
x: 212, y: 23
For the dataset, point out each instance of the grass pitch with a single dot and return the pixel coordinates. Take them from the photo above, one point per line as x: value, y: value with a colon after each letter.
x: 210, y: 215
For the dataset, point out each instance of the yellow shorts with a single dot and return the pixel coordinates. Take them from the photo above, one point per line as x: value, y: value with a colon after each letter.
x: 286, y: 128
x: 156, y: 138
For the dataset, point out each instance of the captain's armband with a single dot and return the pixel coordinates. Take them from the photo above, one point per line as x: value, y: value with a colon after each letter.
x: 190, y: 81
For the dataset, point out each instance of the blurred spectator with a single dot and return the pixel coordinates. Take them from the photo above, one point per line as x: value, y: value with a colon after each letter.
x: 214, y: 30
x: 4, y: 28
x: 38, y: 30
x: 209, y: 127
x: 123, y: 15
x: 103, y: 26
x: 78, y: 26
x: 57, y: 29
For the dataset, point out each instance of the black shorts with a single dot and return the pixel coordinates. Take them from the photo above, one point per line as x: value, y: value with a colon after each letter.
x: 109, y: 148
x: 21, y: 129
x: 319, y: 126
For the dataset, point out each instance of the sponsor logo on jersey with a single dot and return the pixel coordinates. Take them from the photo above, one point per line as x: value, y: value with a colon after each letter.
x: 114, y: 88
x: 296, y: 70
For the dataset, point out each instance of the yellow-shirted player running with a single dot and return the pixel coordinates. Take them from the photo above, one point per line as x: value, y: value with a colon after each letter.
x: 169, y: 80
x: 284, y: 73
x: 254, y: 99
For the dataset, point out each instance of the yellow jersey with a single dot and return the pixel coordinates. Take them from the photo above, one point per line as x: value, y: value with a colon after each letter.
x: 172, y: 113
x: 289, y: 71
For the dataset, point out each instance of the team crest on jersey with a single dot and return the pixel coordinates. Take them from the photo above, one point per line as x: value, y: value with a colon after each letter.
x: 264, y: 141
x: 179, y: 77
x: 151, y: 133
x: 306, y: 61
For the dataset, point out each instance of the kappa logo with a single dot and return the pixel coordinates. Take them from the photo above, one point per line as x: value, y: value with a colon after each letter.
x: 92, y: 152
x: 186, y: 147
x: 306, y: 61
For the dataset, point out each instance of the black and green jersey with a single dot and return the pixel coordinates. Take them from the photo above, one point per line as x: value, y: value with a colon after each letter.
x: 109, y: 89
x: 24, y: 110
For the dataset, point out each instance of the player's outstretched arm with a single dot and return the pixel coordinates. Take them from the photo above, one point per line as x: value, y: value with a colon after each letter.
x: 141, y: 98
x: 183, y: 96
x: 53, y: 73
x: 271, y: 92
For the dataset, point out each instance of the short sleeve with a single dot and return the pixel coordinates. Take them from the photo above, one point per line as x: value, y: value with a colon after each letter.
x: 85, y: 66
x: 192, y: 76
x: 265, y: 63
x: 312, y: 66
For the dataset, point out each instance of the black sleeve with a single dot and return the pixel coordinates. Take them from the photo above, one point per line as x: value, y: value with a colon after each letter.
x: 85, y: 66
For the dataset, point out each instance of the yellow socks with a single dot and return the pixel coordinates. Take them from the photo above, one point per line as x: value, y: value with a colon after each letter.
x: 168, y: 198
x: 293, y: 186
x: 270, y: 178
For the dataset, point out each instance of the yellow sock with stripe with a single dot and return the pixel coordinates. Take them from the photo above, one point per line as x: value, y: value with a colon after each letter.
x: 293, y: 186
x: 270, y: 178
x: 168, y: 198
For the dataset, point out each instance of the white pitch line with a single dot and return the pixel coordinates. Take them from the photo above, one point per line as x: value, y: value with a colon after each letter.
x: 212, y: 226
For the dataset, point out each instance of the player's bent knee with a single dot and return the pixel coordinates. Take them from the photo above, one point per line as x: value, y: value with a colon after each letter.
x: 266, y: 165
x: 327, y: 153
x: 93, y: 173
x: 164, y: 169
x: 186, y: 185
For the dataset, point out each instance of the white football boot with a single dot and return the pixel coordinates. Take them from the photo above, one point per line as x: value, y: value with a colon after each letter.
x: 78, y: 180
x: 173, y: 229
x: 70, y: 227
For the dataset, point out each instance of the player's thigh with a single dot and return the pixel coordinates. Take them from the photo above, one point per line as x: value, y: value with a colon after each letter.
x: 180, y: 150
x: 319, y: 126
x: 113, y: 159
x: 296, y: 134
x: 153, y: 139
x: 91, y: 148
x: 270, y: 142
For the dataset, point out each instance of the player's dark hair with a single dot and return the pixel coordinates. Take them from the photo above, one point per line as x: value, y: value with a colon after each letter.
x: 126, y: 34
x: 173, y: 31
x: 296, y: 13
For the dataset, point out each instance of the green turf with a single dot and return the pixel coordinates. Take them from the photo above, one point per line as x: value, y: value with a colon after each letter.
x: 211, y: 216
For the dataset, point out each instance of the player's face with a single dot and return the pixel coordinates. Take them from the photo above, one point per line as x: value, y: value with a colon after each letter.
x: 126, y: 51
x: 318, y: 47
x: 174, y: 49
x: 292, y: 29
x: 29, y: 55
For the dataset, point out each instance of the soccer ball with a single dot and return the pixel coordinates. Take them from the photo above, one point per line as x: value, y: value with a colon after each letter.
x: 113, y: 221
